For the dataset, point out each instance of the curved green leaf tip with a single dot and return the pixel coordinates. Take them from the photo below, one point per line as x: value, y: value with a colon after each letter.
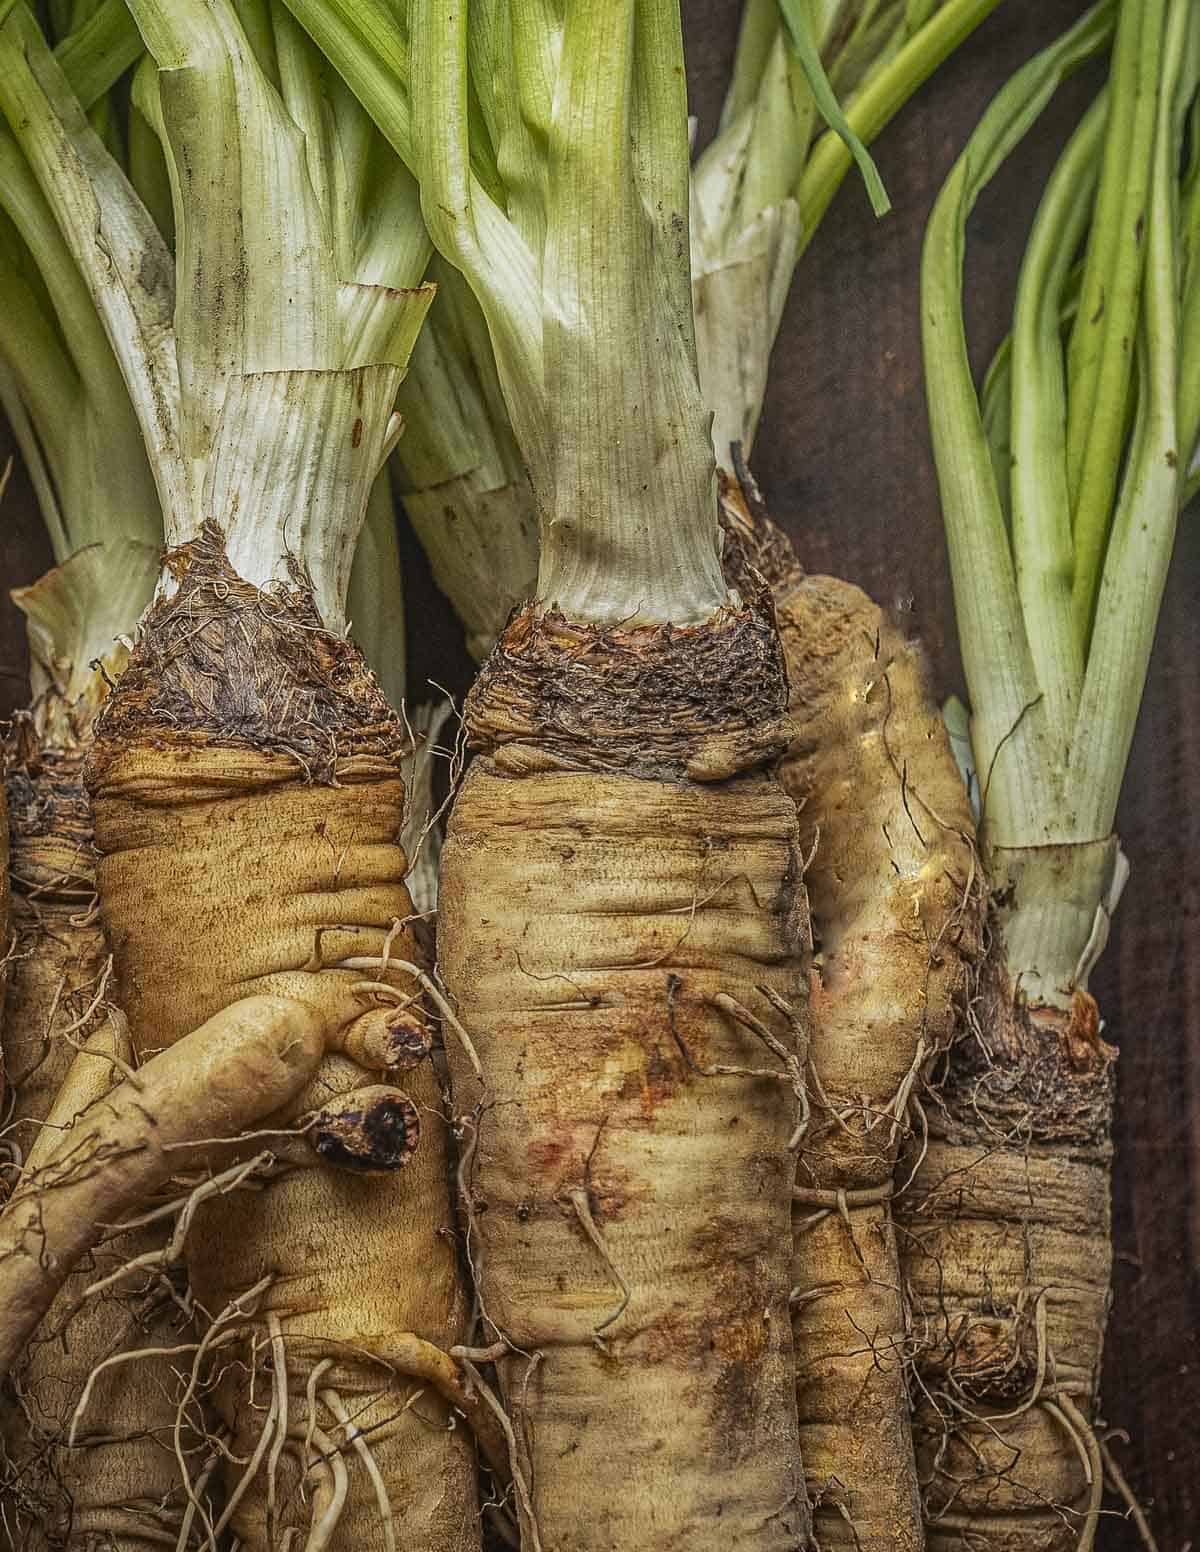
x: 796, y: 19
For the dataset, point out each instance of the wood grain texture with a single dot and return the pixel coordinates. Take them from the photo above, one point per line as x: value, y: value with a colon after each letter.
x: 843, y: 456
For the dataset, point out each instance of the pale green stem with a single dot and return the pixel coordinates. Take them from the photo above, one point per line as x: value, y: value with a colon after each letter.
x: 97, y: 53
x: 390, y: 244
x: 1189, y: 242
x: 1039, y: 491
x: 148, y: 170
x: 75, y: 617
x: 996, y: 394
x: 358, y: 148
x: 103, y: 119
x: 1015, y: 750
x: 81, y: 330
x: 995, y: 401
x: 370, y: 200
x: 299, y: 69
x: 13, y: 402
x: 467, y: 224
x: 1100, y: 359
x: 1189, y: 375
x: 375, y: 602
x: 118, y: 251
x: 1000, y: 672
x: 782, y: 120
x: 597, y: 358
x: 1052, y: 906
x: 629, y: 524
x: 1143, y: 527
x: 244, y: 212
x: 747, y: 233
x: 756, y: 37
x: 1055, y: 901
x: 364, y: 45
x: 452, y: 400
x: 879, y: 32
x: 73, y: 387
x: 373, y: 207
x: 459, y: 469
x: 257, y: 20
x: 48, y: 382
x: 513, y: 53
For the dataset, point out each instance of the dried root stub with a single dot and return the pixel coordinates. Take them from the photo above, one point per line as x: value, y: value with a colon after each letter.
x: 1007, y: 1251
x: 621, y: 911
x: 248, y: 805
x: 892, y: 884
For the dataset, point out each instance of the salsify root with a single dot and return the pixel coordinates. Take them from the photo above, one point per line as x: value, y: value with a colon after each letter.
x: 115, y: 1483
x: 248, y: 804
x: 243, y: 1064
x: 1007, y: 1252
x: 621, y: 910
x: 56, y: 972
x: 895, y: 902
x: 112, y: 1482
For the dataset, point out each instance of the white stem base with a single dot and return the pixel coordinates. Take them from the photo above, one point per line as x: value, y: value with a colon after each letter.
x: 1053, y: 905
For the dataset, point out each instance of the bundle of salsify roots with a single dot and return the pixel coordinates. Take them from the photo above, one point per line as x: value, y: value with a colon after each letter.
x: 612, y: 1214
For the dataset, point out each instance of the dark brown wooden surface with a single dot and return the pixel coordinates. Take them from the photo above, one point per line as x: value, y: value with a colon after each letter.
x: 843, y: 457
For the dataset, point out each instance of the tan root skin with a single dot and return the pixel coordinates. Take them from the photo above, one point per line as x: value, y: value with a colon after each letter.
x: 588, y: 923
x: 244, y: 1063
x: 222, y: 873
x: 885, y: 817
x: 58, y: 959
x: 115, y: 1483
x: 1007, y: 1231
x: 56, y: 976
x: 888, y: 837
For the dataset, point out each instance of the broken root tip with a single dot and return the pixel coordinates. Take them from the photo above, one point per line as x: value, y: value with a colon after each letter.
x: 371, y: 1130
x: 388, y: 1039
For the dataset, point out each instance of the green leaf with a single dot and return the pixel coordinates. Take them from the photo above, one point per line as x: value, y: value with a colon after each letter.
x: 1019, y: 789
x: 995, y: 401
x: 880, y: 98
x: 1100, y: 358
x: 470, y: 228
x: 17, y: 393
x: 795, y: 14
x: 114, y: 244
x: 1039, y: 491
x: 375, y: 600
x: 95, y: 56
x: 1143, y: 526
